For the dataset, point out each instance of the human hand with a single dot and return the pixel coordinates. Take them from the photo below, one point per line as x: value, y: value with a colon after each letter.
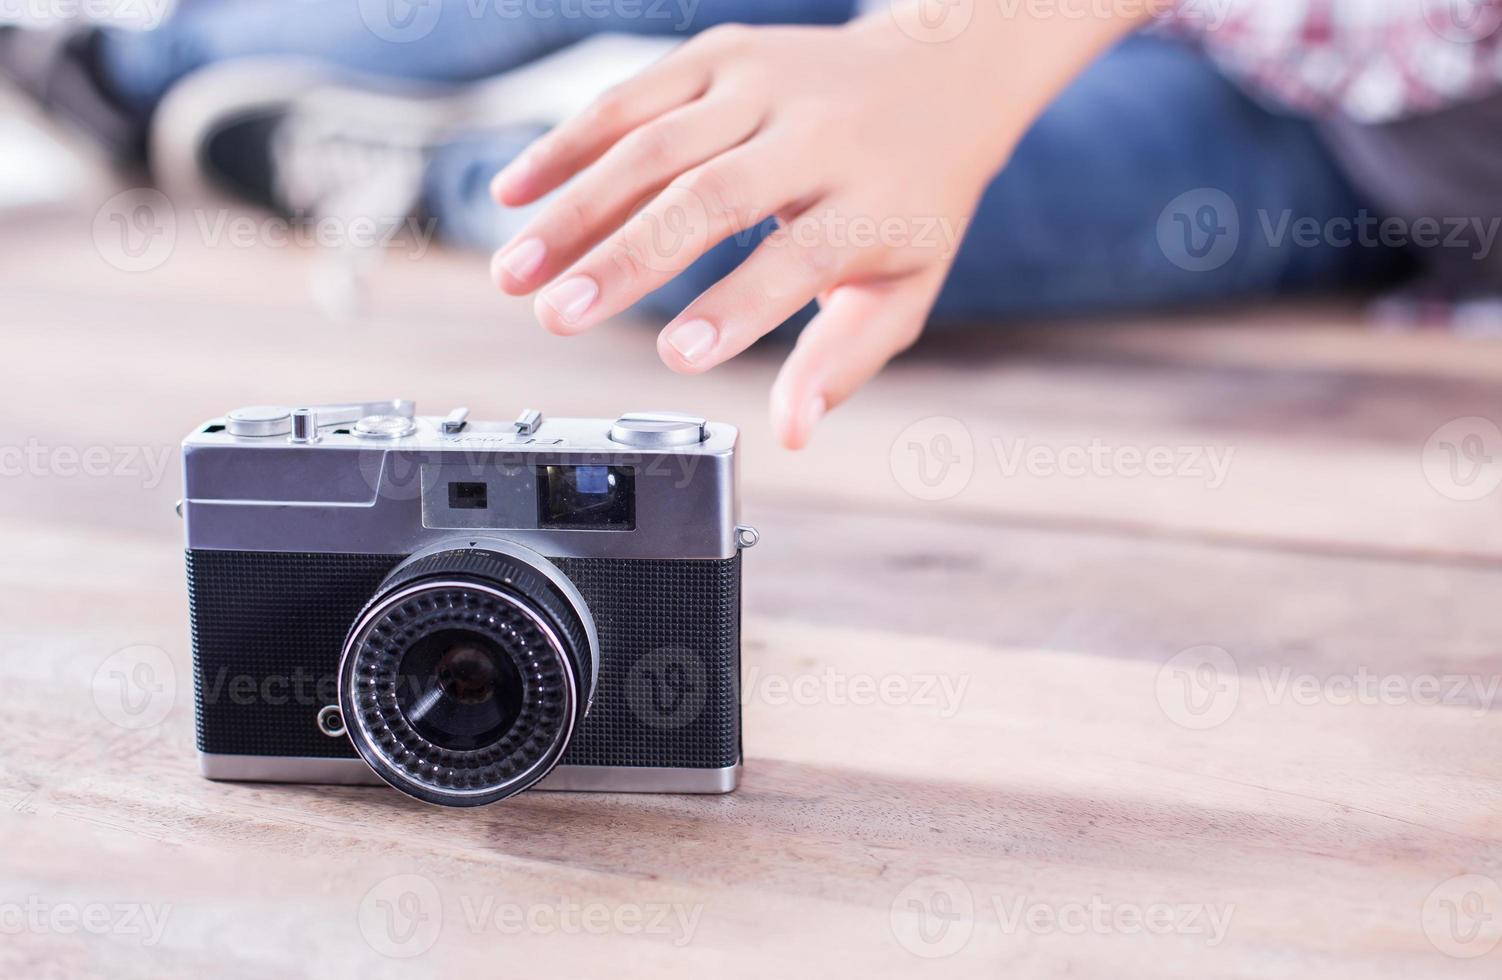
x: 869, y: 147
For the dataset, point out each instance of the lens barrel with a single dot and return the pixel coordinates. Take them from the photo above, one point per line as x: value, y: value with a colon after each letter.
x: 463, y: 679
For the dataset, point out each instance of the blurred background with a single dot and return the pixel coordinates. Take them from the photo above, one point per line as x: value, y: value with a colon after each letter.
x: 328, y: 252
x: 1046, y: 512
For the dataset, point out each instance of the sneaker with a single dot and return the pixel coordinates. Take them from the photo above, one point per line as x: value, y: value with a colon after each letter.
x: 311, y: 142
x: 294, y: 135
x: 54, y: 67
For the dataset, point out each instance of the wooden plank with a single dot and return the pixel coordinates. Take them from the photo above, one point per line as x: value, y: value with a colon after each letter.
x: 985, y: 697
x: 1053, y: 778
x: 1111, y: 595
x: 1304, y: 446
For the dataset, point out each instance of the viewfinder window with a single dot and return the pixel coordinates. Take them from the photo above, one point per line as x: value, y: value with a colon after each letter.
x: 586, y: 497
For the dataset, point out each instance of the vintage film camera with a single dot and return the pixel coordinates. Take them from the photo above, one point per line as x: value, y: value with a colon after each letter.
x: 465, y: 609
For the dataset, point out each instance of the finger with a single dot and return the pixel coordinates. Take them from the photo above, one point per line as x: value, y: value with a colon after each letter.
x: 601, y: 198
x: 729, y: 194
x: 858, y: 330
x: 796, y: 263
x: 577, y: 142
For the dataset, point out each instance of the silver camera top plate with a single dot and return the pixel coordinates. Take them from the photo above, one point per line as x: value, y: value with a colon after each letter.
x: 375, y: 477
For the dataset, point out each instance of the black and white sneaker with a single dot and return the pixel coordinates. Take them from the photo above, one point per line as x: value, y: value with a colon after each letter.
x: 56, y: 69
x: 313, y: 142
x: 295, y: 137
x: 301, y: 136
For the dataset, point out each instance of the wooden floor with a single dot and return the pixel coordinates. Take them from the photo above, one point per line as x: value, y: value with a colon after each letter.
x: 1001, y: 719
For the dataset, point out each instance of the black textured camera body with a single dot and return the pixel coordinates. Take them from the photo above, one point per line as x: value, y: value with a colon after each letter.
x: 268, y: 628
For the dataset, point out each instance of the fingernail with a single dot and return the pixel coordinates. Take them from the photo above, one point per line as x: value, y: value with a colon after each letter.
x: 693, y: 339
x: 572, y: 297
x: 512, y: 173
x: 522, y: 259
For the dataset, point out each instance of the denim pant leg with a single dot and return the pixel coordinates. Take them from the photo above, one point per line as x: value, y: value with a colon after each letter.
x: 456, y: 188
x: 423, y: 40
x: 1151, y: 182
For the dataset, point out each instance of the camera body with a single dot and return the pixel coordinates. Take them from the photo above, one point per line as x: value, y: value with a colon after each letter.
x: 465, y: 609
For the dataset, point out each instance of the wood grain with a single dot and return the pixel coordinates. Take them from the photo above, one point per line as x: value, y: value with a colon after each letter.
x: 971, y: 698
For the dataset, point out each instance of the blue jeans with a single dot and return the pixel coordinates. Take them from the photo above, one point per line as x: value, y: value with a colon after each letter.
x: 1151, y: 182
x: 423, y: 40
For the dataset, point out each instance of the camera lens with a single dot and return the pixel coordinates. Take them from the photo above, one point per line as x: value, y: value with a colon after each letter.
x: 464, y: 678
x: 459, y: 689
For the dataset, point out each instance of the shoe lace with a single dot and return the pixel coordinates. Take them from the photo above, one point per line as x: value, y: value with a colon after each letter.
x: 360, y: 192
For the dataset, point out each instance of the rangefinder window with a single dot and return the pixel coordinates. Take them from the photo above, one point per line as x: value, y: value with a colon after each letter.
x: 467, y: 496
x: 587, y: 497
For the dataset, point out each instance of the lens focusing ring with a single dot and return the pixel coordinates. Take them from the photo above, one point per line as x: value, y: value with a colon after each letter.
x: 547, y: 704
x: 510, y: 607
x: 515, y: 575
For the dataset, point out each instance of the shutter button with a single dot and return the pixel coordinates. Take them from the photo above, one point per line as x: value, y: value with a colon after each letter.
x: 659, y: 430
